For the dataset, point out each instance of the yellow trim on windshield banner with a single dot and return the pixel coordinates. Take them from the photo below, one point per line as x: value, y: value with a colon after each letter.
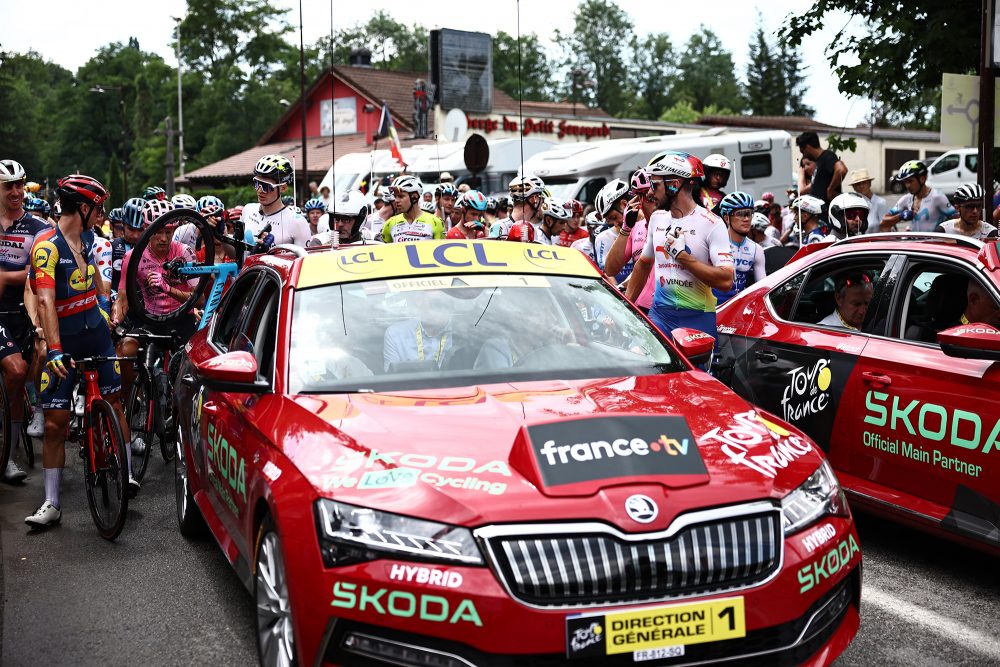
x: 400, y: 260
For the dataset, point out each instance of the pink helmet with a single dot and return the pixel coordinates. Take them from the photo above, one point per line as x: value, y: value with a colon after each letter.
x: 640, y: 181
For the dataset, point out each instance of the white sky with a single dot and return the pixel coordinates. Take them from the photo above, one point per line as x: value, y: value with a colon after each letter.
x: 81, y: 28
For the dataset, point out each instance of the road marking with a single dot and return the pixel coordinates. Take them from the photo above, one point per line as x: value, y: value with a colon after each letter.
x: 945, y: 627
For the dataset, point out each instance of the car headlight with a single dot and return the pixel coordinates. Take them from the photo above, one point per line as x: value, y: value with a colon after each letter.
x: 818, y: 496
x: 352, y: 534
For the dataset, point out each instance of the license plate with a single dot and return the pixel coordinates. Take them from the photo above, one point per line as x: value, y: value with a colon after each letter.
x: 636, y: 630
x: 658, y: 653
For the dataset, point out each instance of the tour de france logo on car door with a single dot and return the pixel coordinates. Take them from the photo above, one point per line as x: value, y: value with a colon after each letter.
x: 809, y: 393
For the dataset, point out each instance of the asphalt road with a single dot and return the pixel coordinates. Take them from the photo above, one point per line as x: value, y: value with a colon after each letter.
x: 155, y: 598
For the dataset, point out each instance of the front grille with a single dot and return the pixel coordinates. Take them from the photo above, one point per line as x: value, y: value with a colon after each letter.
x: 596, y: 568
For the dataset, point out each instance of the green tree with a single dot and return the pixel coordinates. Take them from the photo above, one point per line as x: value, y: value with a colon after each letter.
x: 653, y: 75
x: 596, y: 51
x: 535, y: 82
x: 683, y: 112
x: 764, y: 84
x: 217, y: 35
x: 394, y: 46
x: 898, y: 53
x: 707, y: 74
x: 794, y: 81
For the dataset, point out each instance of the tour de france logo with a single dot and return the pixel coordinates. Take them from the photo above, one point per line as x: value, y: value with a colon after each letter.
x: 807, y: 392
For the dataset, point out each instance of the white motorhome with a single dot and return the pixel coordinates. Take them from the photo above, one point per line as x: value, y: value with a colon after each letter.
x: 762, y: 161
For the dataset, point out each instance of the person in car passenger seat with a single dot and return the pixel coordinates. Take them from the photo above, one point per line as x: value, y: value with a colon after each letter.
x: 852, y: 294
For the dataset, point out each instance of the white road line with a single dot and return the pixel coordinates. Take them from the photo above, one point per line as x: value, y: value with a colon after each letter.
x: 986, y: 645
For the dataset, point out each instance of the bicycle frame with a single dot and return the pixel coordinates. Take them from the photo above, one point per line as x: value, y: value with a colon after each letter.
x: 221, y: 273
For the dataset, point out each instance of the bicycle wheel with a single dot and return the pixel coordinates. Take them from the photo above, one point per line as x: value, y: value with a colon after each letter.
x: 140, y: 412
x: 136, y: 292
x: 164, y: 423
x: 107, y: 484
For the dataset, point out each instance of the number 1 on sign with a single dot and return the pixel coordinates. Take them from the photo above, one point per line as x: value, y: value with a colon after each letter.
x: 729, y: 612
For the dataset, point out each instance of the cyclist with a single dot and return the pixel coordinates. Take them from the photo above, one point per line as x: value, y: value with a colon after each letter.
x: 848, y: 215
x: 717, y: 169
x: 760, y: 225
x: 628, y: 245
x: 687, y: 246
x: 586, y: 244
x: 133, y: 224
x: 385, y: 208
x: 922, y: 207
x: 807, y: 210
x: 445, y: 196
x: 492, y: 205
x: 472, y: 226
x: 348, y: 215
x: 18, y: 230
x: 212, y: 209
x: 65, y: 274
x: 270, y: 215
x: 526, y: 194
x: 154, y: 192
x: 181, y: 200
x: 411, y: 223
x: 554, y: 216
x: 968, y: 199
x: 37, y: 207
x: 610, y: 204
x: 574, y: 231
x: 748, y: 257
x: 116, y: 217
x: 316, y: 216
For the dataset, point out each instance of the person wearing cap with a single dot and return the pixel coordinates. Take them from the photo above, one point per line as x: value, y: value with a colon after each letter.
x: 446, y: 177
x: 861, y: 182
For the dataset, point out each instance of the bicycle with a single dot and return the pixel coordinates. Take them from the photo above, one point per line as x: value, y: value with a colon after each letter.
x: 27, y: 447
x: 148, y: 411
x: 103, y: 450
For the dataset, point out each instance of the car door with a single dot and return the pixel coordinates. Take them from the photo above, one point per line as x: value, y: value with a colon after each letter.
x: 930, y: 423
x: 799, y: 368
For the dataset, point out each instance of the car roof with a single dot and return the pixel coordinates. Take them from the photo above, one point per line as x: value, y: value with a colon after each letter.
x: 355, y: 263
x: 951, y: 244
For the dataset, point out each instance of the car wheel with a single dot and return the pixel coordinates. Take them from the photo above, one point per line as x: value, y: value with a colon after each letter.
x: 275, y: 634
x: 189, y: 518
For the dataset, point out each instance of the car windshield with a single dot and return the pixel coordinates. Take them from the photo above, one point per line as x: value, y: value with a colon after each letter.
x: 562, y: 188
x: 449, y: 331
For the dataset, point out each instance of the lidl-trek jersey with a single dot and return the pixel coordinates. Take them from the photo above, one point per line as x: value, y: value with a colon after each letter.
x: 706, y: 239
x: 55, y: 267
x: 425, y: 227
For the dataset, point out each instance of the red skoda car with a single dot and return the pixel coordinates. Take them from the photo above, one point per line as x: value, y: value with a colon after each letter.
x: 478, y: 453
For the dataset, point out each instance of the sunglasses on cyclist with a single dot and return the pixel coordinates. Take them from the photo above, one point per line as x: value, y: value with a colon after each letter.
x: 10, y: 185
x: 745, y: 213
x: 264, y: 186
x: 855, y: 214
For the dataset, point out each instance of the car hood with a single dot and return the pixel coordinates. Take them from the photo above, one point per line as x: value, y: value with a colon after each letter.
x: 547, y: 450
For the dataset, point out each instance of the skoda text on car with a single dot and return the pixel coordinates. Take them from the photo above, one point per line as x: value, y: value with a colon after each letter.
x: 463, y: 453
x: 883, y: 349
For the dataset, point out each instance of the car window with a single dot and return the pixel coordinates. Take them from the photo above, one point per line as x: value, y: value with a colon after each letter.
x: 835, y: 294
x: 939, y: 296
x: 972, y: 161
x: 234, y: 305
x: 259, y: 331
x: 946, y: 163
x: 476, y: 329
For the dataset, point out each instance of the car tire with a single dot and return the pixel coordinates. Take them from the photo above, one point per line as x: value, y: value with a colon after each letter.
x: 275, y: 631
x: 189, y: 519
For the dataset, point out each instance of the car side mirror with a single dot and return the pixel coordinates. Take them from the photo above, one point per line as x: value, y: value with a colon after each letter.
x: 989, y: 256
x: 971, y: 341
x: 233, y: 371
x: 696, y: 345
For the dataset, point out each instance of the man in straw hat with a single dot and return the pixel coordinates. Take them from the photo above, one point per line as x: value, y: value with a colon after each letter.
x: 861, y: 182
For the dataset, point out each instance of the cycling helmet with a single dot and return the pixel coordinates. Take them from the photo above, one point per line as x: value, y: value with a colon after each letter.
x: 132, y: 213
x: 407, y: 183
x: 761, y: 206
x: 575, y: 206
x: 735, y: 201
x: 386, y: 196
x: 287, y: 200
x: 492, y: 204
x: 554, y: 208
x: 609, y: 194
x: 428, y: 207
x: 154, y: 192
x: 116, y: 215
x: 275, y: 166
x: 33, y: 204
x: 352, y: 203
x: 473, y: 199
x: 522, y: 231
x: 83, y: 189
x: 808, y: 204
x: 46, y: 208
x: 759, y: 222
x: 296, y: 210
x: 592, y: 220
x: 154, y: 209
x: 11, y: 170
x: 181, y: 200
x: 843, y: 203
x: 523, y: 187
x: 640, y: 181
x: 446, y: 190
x: 676, y: 163
x: 209, y: 201
x: 720, y: 162
x: 768, y: 197
x: 967, y: 192
x: 911, y: 169
x: 315, y: 204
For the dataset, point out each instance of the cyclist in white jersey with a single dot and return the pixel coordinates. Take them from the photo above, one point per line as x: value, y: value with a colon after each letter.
x: 555, y: 214
x: 748, y: 257
x: 922, y: 208
x: 270, y: 216
x: 687, y: 245
x: 526, y: 194
x: 968, y: 199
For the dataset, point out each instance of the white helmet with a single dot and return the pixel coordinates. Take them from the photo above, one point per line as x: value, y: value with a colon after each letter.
x: 525, y: 186
x: 808, y: 204
x: 609, y: 194
x: 720, y: 162
x: 349, y: 203
x: 427, y: 207
x: 407, y: 183
x: 181, y: 200
x: 841, y: 204
x: 557, y: 209
x: 11, y: 171
x: 759, y: 222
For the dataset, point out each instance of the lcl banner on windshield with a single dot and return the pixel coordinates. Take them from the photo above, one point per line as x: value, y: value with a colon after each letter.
x: 585, y: 450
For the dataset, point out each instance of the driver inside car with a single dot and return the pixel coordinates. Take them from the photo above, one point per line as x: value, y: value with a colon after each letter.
x: 423, y: 338
x: 852, y: 294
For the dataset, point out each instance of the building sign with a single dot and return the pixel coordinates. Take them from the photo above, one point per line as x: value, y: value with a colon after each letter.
x: 462, y: 69
x: 345, y: 116
x: 550, y: 127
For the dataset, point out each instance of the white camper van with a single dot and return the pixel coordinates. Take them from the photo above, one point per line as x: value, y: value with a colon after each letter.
x: 762, y: 161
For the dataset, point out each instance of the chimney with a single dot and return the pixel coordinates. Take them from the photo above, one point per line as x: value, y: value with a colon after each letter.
x: 360, y: 58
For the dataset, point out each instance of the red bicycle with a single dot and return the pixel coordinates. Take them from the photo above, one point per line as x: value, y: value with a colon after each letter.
x: 103, y: 450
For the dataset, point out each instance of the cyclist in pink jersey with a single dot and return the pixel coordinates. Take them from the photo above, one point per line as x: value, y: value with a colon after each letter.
x: 631, y: 239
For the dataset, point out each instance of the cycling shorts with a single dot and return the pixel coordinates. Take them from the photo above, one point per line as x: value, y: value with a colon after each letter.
x: 88, y: 343
x: 668, y: 319
x: 16, y: 336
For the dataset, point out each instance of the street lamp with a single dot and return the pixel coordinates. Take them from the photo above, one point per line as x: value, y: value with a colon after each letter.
x: 101, y: 89
x: 180, y: 98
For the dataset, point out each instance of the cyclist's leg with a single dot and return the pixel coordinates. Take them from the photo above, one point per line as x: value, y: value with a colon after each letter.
x: 109, y: 380
x: 127, y: 347
x: 56, y: 405
x: 15, y: 371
